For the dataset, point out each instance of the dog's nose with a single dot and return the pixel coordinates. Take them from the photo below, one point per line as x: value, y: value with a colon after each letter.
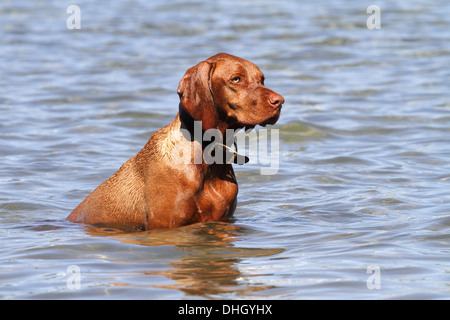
x: 276, y: 100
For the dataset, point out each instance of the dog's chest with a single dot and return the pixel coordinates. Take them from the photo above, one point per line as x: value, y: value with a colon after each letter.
x: 217, y: 200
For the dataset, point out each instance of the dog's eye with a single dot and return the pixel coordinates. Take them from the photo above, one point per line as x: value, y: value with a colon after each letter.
x: 236, y: 80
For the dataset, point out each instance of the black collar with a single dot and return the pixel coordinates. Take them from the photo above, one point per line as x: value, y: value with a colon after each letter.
x: 188, y: 121
x: 191, y: 124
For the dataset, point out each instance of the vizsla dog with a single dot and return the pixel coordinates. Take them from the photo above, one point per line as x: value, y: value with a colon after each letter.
x: 169, y: 183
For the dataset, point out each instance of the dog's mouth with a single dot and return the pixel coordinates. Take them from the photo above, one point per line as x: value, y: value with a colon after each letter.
x: 271, y: 121
x: 250, y: 124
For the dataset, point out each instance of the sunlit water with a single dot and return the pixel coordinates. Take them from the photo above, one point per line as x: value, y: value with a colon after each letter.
x: 358, y: 209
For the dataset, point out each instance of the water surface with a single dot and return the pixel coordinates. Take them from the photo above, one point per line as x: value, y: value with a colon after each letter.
x: 364, y: 170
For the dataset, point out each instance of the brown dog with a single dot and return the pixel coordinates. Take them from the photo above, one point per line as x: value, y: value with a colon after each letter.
x: 169, y: 183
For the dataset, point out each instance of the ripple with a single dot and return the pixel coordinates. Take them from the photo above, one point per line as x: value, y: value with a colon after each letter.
x: 363, y: 151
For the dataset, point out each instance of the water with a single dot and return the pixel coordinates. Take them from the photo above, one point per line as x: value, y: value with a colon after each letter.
x: 360, y: 200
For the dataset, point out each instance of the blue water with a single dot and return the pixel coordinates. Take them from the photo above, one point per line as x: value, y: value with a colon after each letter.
x: 358, y: 209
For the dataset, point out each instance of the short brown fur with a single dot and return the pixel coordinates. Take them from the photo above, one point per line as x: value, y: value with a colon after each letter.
x: 154, y: 189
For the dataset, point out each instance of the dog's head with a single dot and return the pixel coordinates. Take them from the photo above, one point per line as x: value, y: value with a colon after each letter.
x: 229, y: 92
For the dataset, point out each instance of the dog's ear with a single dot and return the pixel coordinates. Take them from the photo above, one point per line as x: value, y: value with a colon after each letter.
x: 196, y: 96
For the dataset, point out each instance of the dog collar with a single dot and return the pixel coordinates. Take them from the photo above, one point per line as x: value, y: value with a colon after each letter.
x: 231, y: 154
x: 234, y: 156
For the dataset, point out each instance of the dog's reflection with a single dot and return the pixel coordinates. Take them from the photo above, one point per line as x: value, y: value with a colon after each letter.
x: 210, y: 265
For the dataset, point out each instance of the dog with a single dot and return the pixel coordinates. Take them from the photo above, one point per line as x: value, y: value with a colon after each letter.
x: 169, y: 183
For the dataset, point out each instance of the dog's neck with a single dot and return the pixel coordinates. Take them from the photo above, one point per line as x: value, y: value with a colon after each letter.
x: 187, y: 121
x: 197, y: 133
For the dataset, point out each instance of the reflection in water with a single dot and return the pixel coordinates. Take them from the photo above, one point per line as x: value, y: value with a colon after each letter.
x: 209, y: 264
